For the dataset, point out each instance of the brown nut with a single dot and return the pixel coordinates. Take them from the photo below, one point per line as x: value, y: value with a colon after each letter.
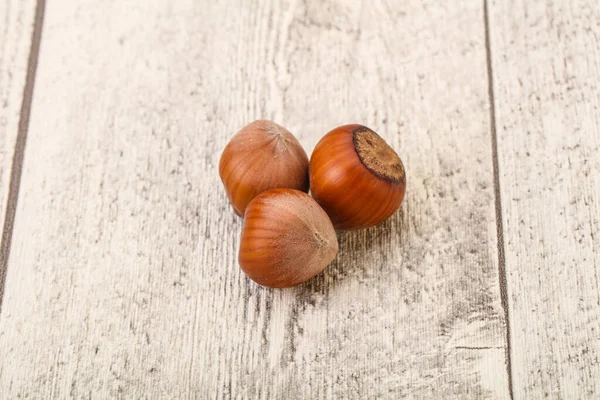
x: 262, y: 156
x: 356, y: 177
x: 286, y: 240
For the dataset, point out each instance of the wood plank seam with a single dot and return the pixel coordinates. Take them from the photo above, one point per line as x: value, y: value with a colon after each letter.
x: 498, y: 200
x: 19, y: 152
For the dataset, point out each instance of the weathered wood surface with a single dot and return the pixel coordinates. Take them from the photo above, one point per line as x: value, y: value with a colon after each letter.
x: 123, y: 280
x: 16, y: 25
x: 546, y: 63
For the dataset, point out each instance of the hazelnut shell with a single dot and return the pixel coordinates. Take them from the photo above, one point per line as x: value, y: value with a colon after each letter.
x: 356, y: 177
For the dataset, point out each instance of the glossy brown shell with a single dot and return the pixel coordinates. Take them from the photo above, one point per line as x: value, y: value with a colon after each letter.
x: 287, y: 238
x: 262, y: 156
x: 353, y: 196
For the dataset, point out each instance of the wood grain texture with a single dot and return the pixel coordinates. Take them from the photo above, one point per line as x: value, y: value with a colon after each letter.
x: 546, y: 59
x: 123, y: 279
x: 16, y: 26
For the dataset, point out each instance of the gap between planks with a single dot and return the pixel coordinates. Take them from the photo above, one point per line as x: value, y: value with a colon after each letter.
x: 502, y: 280
x: 19, y: 152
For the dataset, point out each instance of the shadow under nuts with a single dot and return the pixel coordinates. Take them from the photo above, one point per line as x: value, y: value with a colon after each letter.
x: 262, y: 156
x: 286, y: 239
x: 356, y: 177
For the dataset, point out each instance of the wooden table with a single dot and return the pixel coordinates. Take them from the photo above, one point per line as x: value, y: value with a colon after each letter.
x: 118, y: 265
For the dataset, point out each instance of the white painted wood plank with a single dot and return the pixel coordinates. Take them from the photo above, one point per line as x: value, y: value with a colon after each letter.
x: 16, y: 26
x: 123, y: 279
x: 546, y: 62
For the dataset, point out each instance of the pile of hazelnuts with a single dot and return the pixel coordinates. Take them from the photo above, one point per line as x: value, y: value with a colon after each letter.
x: 355, y: 178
